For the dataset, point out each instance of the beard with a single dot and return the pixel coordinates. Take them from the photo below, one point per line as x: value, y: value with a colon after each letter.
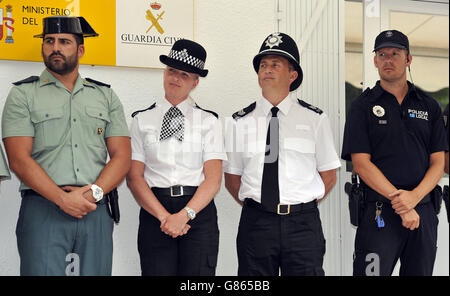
x: 61, y: 67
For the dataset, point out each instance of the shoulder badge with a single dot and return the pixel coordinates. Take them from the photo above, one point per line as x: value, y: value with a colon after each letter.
x: 139, y: 111
x: 209, y: 111
x: 310, y: 107
x: 97, y: 82
x: 245, y: 111
x: 27, y: 80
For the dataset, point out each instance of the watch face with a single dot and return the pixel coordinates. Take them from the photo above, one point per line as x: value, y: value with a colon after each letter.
x: 191, y: 214
x: 97, y: 192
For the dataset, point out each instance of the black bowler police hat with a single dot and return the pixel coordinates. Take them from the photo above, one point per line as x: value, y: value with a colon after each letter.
x: 391, y: 38
x: 186, y: 55
x: 281, y: 44
x: 67, y: 25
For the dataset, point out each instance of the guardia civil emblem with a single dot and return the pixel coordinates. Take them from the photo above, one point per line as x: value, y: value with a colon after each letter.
x: 378, y: 111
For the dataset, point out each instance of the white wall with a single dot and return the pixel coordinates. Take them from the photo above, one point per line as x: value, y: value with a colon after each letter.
x: 231, y: 32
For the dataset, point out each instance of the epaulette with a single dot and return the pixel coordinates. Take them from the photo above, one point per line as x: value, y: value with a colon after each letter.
x: 245, y: 111
x: 366, y: 92
x: 138, y: 111
x: 209, y: 111
x: 310, y: 107
x: 98, y: 82
x: 421, y: 93
x: 27, y: 80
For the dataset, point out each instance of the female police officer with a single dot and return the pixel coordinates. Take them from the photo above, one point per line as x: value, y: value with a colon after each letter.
x: 176, y: 171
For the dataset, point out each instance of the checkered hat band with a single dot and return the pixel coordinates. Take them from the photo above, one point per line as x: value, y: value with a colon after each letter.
x: 184, y: 57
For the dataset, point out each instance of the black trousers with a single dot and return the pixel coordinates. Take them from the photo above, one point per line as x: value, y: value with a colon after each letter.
x: 268, y: 242
x: 193, y: 254
x: 377, y: 251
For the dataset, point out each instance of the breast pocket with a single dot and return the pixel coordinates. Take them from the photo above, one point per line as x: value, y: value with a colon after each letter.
x: 49, y: 127
x: 192, y: 154
x: 97, y: 122
x: 300, y: 158
x: 151, y: 144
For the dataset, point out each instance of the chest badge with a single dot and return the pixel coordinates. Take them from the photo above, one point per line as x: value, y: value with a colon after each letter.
x: 99, y: 131
x: 378, y: 111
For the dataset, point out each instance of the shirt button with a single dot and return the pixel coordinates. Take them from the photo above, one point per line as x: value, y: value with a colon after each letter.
x: 76, y: 145
x: 78, y: 170
x: 74, y: 120
x: 46, y: 115
x: 100, y: 114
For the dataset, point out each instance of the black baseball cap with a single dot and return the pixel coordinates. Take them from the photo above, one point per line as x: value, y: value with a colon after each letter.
x: 391, y: 38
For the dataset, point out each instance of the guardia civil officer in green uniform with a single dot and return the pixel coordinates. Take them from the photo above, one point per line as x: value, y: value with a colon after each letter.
x: 4, y: 172
x: 58, y: 129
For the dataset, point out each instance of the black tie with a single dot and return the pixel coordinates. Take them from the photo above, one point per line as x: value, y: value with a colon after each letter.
x: 173, y: 124
x: 270, y: 191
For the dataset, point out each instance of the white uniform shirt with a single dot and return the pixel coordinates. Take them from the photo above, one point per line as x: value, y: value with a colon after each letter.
x: 305, y: 148
x: 171, y: 162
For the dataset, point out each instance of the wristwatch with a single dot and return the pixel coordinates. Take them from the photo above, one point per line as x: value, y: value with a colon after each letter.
x: 97, y: 192
x: 190, y: 212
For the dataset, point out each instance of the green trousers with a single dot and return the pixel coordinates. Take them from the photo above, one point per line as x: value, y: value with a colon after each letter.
x: 51, y: 242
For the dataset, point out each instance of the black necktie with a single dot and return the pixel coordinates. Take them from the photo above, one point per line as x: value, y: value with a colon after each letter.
x: 270, y: 191
x: 173, y: 124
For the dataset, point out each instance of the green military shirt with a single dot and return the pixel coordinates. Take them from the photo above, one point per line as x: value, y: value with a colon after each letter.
x: 4, y: 172
x: 69, y: 128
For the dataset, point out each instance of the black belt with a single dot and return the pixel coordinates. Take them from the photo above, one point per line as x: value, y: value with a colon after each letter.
x: 26, y: 192
x: 281, y: 208
x: 175, y: 191
x: 373, y: 196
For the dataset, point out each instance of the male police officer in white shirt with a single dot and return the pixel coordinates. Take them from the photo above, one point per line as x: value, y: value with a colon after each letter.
x: 177, y: 153
x: 283, y: 161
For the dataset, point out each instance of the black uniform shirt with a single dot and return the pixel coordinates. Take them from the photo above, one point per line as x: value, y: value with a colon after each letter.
x: 399, y: 138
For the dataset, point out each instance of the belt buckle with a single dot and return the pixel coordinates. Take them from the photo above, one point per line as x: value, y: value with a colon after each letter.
x: 279, y: 212
x: 176, y: 195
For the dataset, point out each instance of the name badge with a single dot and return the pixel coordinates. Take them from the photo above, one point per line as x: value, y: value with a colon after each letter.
x: 384, y: 122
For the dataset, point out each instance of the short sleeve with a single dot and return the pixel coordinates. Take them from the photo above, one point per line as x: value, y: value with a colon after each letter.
x: 4, y: 171
x: 117, y: 126
x: 234, y: 164
x: 326, y: 156
x: 137, y: 146
x: 213, y: 144
x: 16, y: 118
x: 356, y: 135
x: 439, y: 141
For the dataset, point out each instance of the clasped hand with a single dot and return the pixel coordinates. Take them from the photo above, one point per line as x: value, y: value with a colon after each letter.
x: 175, y: 225
x: 403, y: 202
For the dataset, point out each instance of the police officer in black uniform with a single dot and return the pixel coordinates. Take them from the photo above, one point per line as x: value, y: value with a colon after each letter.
x: 395, y: 137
